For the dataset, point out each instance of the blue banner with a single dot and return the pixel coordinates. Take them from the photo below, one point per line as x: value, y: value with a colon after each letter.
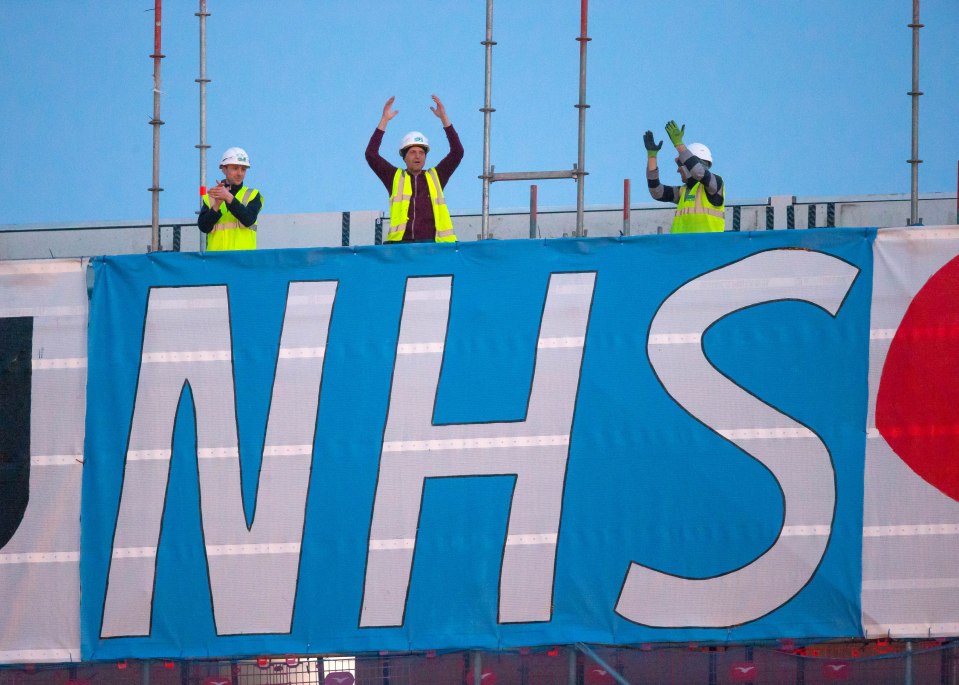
x: 476, y: 445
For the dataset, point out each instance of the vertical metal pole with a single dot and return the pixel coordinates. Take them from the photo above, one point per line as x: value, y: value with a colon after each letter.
x: 487, y: 110
x: 345, y: 230
x: 572, y: 665
x: 914, y: 94
x: 955, y: 671
x: 203, y: 80
x: 907, y: 676
x: 145, y: 672
x: 477, y: 666
x: 532, y: 212
x: 156, y: 124
x: 944, y: 666
x: 626, y: 207
x: 582, y: 107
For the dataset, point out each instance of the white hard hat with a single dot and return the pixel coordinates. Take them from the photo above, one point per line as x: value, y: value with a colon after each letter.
x: 701, y: 151
x: 414, y: 138
x: 235, y: 155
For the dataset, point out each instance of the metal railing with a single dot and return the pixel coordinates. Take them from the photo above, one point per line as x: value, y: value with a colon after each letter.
x: 875, y: 662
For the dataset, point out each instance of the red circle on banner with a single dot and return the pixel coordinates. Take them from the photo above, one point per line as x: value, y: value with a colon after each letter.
x: 487, y: 677
x: 597, y: 675
x: 743, y: 672
x: 837, y: 670
x: 917, y: 405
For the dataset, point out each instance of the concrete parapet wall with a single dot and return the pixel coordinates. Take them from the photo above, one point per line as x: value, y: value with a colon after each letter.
x: 326, y: 229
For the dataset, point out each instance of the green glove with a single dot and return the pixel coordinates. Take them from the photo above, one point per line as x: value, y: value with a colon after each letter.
x: 675, y: 133
x: 651, y: 147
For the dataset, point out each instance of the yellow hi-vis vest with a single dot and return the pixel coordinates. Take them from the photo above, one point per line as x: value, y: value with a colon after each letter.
x: 228, y: 233
x: 696, y: 214
x: 400, y: 207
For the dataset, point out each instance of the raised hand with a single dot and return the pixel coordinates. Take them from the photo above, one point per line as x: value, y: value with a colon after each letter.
x: 675, y: 133
x: 652, y: 149
x: 440, y: 111
x: 388, y: 113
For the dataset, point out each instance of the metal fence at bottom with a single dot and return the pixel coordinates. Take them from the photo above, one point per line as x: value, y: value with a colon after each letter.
x: 867, y: 663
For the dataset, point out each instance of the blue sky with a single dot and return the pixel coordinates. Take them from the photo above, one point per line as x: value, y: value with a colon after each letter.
x: 803, y: 98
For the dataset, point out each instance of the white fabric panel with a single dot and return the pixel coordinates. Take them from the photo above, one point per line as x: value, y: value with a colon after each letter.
x: 910, y: 551
x: 39, y: 566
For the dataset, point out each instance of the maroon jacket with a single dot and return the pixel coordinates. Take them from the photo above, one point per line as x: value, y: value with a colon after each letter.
x: 422, y: 225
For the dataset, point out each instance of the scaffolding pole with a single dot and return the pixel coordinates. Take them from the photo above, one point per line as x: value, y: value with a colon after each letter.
x: 487, y: 110
x: 914, y: 161
x: 626, y: 207
x: 156, y: 123
x: 477, y: 666
x: 580, y: 171
x: 533, y: 230
x: 203, y: 80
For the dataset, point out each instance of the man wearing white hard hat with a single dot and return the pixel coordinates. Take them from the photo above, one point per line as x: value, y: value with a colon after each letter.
x: 701, y: 199
x: 229, y: 211
x: 418, y: 210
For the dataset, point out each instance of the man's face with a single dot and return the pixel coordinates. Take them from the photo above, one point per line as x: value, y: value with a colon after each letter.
x: 235, y: 173
x: 415, y: 159
x: 681, y: 170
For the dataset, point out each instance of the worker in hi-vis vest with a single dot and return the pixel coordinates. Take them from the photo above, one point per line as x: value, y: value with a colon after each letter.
x: 418, y: 210
x: 701, y: 199
x: 229, y: 211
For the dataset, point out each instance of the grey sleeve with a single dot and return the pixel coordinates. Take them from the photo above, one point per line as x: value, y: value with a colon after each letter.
x: 713, y: 183
x: 660, y: 192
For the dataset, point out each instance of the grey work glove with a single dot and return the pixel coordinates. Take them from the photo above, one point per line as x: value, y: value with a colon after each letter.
x: 652, y: 149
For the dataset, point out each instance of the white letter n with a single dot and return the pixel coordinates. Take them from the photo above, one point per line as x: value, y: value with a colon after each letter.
x: 187, y: 341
